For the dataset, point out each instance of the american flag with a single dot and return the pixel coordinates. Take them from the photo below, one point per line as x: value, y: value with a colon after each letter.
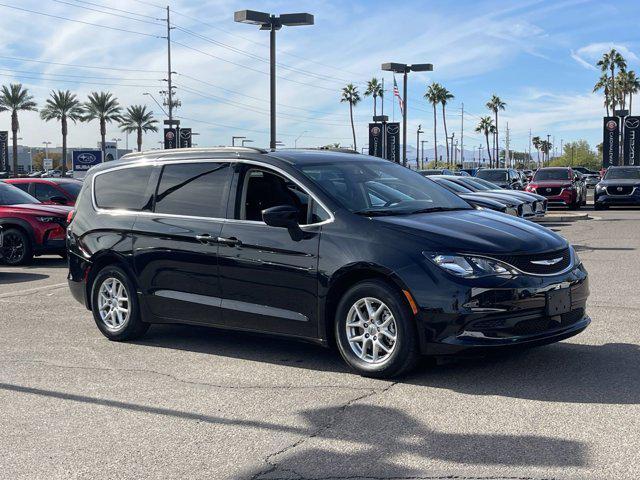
x: 396, y: 93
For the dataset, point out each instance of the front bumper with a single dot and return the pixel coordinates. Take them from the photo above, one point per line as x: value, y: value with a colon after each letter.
x: 605, y: 199
x: 507, y: 316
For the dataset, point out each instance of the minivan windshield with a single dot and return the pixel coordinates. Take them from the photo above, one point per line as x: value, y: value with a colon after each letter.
x: 381, y: 188
x: 492, y: 175
x: 10, y: 195
x: 551, y: 174
x: 622, y: 174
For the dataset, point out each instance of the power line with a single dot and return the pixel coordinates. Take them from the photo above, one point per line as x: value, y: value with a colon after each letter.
x: 106, y: 13
x: 116, y: 9
x: 26, y: 10
x: 75, y: 65
x: 79, y: 76
x: 78, y: 81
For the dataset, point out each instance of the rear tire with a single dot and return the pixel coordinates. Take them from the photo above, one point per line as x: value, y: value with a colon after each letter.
x: 115, y: 306
x: 16, y: 247
x: 375, y: 330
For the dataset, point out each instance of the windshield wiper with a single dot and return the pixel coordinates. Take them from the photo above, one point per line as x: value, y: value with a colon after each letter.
x: 439, y: 209
x: 371, y: 212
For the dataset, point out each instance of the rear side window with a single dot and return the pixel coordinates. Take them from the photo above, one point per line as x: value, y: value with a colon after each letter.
x: 194, y: 189
x: 123, y: 189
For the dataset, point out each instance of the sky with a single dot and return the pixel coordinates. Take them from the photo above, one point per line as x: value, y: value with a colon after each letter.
x: 538, y: 56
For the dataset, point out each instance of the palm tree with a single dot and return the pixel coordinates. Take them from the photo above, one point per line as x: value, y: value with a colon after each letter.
x: 444, y: 97
x: 496, y: 104
x: 628, y: 84
x: 633, y: 86
x: 433, y: 97
x: 609, y: 61
x: 62, y: 106
x: 536, y: 141
x: 14, y: 99
x: 486, y: 126
x: 545, y: 146
x: 104, y: 107
x: 140, y: 120
x: 374, y: 89
x: 604, y: 84
x: 350, y: 94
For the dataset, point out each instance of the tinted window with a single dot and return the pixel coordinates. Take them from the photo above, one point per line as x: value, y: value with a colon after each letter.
x: 44, y: 192
x: 552, y: 174
x: 22, y: 186
x: 72, y: 188
x: 10, y: 195
x: 380, y: 187
x: 622, y: 174
x: 123, y: 189
x: 263, y: 189
x: 194, y: 189
x: 453, y: 186
x: 493, y: 175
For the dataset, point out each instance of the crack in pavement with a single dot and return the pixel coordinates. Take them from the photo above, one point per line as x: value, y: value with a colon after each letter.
x: 32, y: 290
x: 419, y: 477
x: 193, y: 382
x: 273, y: 465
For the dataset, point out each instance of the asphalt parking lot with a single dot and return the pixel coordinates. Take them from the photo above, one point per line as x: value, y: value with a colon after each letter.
x: 189, y: 402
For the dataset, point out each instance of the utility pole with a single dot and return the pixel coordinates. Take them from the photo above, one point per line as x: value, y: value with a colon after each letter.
x: 529, y: 161
x: 548, y: 149
x: 450, y: 154
x: 455, y: 154
x: 170, y: 83
x: 480, y: 155
x: 462, y: 136
x: 418, y: 132
x: 507, y: 152
x: 561, y: 145
x: 422, y: 142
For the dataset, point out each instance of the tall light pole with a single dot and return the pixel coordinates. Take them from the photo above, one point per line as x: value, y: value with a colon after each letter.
x: 273, y: 23
x: 116, y: 140
x: 422, y: 142
x: 405, y: 69
x: 418, y: 132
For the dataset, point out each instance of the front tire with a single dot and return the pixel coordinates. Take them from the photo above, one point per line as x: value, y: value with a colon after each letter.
x: 115, y: 307
x: 375, y: 330
x: 16, y: 247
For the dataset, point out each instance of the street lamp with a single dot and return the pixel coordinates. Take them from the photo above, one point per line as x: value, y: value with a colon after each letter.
x: 422, y: 142
x: 246, y: 141
x: 116, y: 140
x: 418, y: 132
x: 234, y: 138
x: 405, y: 69
x: 273, y: 23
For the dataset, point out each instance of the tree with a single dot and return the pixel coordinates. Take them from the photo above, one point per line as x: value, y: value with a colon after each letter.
x: 433, y: 97
x: 140, y: 120
x: 604, y: 83
x: 545, y: 146
x: 486, y: 127
x: 536, y: 142
x: 444, y: 97
x: 62, y: 106
x: 628, y: 84
x: 374, y: 89
x: 496, y: 104
x: 609, y: 61
x: 352, y: 97
x: 577, y: 153
x: 104, y: 107
x: 14, y: 99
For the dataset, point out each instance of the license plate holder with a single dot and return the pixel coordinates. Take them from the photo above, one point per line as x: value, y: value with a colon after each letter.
x: 558, y: 301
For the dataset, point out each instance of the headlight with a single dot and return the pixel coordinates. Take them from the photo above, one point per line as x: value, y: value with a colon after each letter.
x: 47, y: 219
x: 511, y: 211
x: 469, y: 266
x: 600, y: 188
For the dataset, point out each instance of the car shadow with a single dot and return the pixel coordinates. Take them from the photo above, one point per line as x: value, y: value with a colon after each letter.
x: 561, y: 372
x: 7, y: 278
x: 47, y: 262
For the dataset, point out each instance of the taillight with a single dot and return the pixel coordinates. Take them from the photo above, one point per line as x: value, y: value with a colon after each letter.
x: 70, y: 216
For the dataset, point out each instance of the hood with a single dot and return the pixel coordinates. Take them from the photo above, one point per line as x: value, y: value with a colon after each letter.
x: 482, y: 201
x: 522, y: 195
x: 552, y: 183
x: 505, y: 198
x: 475, y: 231
x: 39, y: 209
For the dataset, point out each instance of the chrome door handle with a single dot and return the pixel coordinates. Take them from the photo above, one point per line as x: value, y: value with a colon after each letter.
x: 232, y: 241
x: 205, y: 238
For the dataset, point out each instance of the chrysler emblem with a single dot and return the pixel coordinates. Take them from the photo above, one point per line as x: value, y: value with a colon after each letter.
x: 551, y: 261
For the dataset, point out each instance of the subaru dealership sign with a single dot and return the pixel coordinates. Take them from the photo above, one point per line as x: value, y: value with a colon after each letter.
x: 83, y: 160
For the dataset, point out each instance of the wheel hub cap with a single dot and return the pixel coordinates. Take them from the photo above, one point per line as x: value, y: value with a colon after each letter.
x: 371, y: 330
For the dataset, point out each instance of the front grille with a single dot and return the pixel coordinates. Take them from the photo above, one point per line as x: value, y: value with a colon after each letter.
x: 542, y: 324
x: 529, y: 322
x: 524, y: 262
x: 619, y: 190
x: 549, y: 191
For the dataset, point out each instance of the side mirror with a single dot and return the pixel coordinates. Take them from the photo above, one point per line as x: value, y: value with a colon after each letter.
x: 59, y: 200
x: 284, y: 216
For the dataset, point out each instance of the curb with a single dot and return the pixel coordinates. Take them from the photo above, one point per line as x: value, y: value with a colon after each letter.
x: 563, y: 217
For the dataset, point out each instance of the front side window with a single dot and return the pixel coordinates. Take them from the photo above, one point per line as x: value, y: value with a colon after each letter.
x: 10, y: 195
x: 123, y: 189
x: 45, y: 192
x: 262, y: 189
x: 194, y: 189
x: 380, y: 188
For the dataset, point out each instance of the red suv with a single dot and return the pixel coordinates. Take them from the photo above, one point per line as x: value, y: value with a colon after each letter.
x: 61, y: 191
x: 561, y: 186
x: 29, y: 227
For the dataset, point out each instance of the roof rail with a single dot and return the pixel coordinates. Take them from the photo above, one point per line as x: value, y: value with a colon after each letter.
x: 173, y: 151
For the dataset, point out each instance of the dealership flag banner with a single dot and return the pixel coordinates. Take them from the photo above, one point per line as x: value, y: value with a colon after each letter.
x: 185, y: 138
x: 376, y: 133
x: 632, y: 141
x: 4, y: 150
x: 611, y: 142
x: 392, y: 134
x: 170, y: 138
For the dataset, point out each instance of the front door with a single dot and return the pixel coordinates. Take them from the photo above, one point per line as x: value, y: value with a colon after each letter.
x: 269, y: 277
x: 176, y: 249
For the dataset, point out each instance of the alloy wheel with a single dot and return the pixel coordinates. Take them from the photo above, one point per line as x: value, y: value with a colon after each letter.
x: 114, y: 306
x: 371, y: 330
x: 13, y: 248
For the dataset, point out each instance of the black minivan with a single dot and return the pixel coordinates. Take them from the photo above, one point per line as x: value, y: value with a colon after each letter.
x: 340, y: 249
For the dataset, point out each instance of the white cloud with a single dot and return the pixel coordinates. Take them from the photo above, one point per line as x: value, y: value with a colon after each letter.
x: 588, y: 55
